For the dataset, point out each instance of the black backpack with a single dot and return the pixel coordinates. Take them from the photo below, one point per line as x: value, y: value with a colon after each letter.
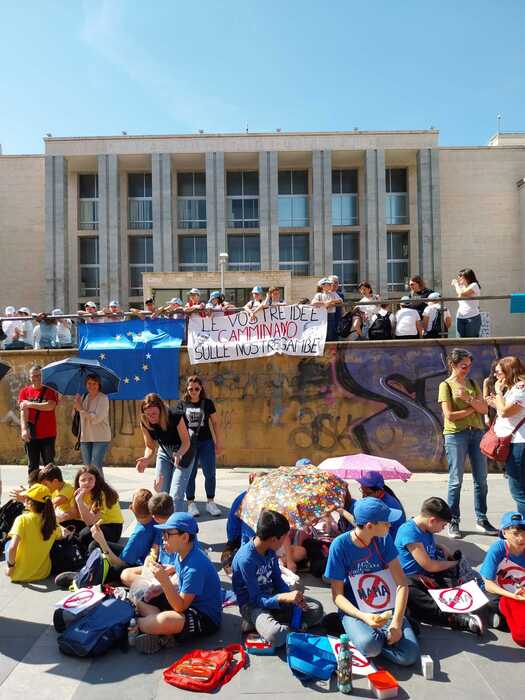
x: 66, y: 555
x: 380, y: 328
x: 9, y: 512
x: 344, y: 327
x: 435, y: 329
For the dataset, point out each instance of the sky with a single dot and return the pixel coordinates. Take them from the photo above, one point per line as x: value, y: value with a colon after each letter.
x: 98, y: 67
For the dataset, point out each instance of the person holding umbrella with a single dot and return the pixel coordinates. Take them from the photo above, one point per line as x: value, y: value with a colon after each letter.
x: 95, y: 432
x: 165, y: 428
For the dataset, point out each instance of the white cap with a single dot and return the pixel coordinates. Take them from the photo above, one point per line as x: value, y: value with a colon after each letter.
x: 56, y: 312
x: 91, y: 303
x: 24, y: 310
x: 10, y: 309
x: 194, y: 290
x: 114, y: 302
x: 434, y: 295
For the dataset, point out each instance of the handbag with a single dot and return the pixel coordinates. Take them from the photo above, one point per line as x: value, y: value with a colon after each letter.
x: 495, y: 447
x: 31, y: 425
x: 76, y: 426
x: 206, y: 670
x: 310, y: 657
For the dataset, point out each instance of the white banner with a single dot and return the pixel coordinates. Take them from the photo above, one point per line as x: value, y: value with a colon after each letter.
x: 84, y: 598
x: 285, y: 330
x: 462, y: 599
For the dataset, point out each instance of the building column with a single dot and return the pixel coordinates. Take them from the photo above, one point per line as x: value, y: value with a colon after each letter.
x: 521, y: 194
x: 428, y: 215
x: 374, y: 219
x: 268, y: 210
x: 109, y: 240
x: 162, y: 212
x: 55, y: 232
x: 321, y: 249
x: 215, y: 208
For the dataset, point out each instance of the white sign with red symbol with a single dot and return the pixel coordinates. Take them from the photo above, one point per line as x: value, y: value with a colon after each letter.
x: 510, y: 576
x: 374, y: 591
x: 80, y: 600
x: 462, y: 599
x: 361, y: 666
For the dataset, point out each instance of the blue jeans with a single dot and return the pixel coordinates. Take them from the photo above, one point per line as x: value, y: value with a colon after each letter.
x: 468, y: 327
x: 93, y: 454
x: 372, y: 641
x: 174, y: 479
x: 331, y: 327
x: 205, y: 456
x: 457, y: 447
x: 515, y: 471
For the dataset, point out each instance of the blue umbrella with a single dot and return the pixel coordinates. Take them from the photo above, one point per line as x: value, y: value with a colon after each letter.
x: 4, y: 369
x: 68, y: 377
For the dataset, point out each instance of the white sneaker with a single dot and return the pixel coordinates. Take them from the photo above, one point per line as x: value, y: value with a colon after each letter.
x: 213, y: 508
x: 193, y: 509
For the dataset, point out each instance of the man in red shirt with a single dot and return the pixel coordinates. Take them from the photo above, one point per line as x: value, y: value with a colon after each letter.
x: 37, y: 418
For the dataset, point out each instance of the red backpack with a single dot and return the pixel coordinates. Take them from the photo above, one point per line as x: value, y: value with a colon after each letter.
x: 205, y: 670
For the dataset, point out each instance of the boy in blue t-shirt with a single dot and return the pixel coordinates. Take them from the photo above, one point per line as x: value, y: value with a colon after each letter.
x: 368, y: 582
x: 195, y: 609
x: 503, y: 570
x: 428, y: 566
x: 372, y: 484
x: 264, y: 599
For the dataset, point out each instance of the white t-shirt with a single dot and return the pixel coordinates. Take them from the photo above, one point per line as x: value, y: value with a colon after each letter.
x: 504, y: 426
x: 9, y: 329
x: 369, y: 309
x: 329, y: 296
x: 468, y: 308
x: 406, y: 322
x: 431, y: 311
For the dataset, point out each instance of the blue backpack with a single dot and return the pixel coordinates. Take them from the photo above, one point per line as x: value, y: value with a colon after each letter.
x: 310, y: 656
x: 94, y: 571
x: 104, y: 627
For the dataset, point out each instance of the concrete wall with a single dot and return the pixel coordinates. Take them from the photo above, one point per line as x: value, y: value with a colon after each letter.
x: 275, y: 410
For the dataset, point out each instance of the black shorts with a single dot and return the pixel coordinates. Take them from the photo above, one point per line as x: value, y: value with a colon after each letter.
x: 196, y: 624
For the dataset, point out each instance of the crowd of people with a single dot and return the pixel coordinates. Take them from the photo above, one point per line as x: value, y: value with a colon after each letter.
x: 370, y: 535
x: 421, y: 313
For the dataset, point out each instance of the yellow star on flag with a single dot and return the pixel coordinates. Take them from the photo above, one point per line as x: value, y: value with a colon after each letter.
x: 126, y: 380
x: 102, y: 356
x: 136, y: 378
x: 145, y: 368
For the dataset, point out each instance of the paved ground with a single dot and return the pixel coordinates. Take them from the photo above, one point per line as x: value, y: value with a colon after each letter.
x: 29, y: 658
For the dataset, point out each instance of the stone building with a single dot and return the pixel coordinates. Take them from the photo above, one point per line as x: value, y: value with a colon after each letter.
x: 91, y: 216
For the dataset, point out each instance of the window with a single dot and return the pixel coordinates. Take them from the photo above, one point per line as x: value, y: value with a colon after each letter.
x: 88, y: 264
x: 244, y: 252
x: 193, y: 253
x: 396, y: 196
x: 191, y: 200
x: 242, y: 189
x: 344, y: 198
x: 140, y: 213
x: 88, y: 202
x: 346, y: 259
x: 293, y: 198
x: 294, y: 253
x: 140, y: 260
x: 397, y: 260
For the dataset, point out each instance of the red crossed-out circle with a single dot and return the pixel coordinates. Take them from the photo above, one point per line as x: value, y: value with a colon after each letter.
x: 512, y: 576
x: 79, y: 598
x: 376, y: 582
x: 457, y: 598
x: 357, y: 661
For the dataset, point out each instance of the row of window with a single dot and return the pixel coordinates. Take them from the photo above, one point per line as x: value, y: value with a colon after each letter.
x: 245, y: 254
x: 242, y: 199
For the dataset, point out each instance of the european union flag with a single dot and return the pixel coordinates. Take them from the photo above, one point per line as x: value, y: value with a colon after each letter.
x: 144, y: 354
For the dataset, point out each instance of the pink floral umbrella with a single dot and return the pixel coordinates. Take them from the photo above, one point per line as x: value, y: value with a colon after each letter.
x: 356, y: 466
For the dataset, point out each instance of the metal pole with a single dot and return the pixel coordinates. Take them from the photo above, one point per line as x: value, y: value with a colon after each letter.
x: 222, y: 276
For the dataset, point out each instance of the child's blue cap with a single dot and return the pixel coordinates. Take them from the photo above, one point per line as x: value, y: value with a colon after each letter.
x: 373, y: 510
x: 183, y: 522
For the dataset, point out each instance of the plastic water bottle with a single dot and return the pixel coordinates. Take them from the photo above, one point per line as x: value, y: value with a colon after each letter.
x: 133, y: 631
x: 344, y: 665
x: 297, y: 616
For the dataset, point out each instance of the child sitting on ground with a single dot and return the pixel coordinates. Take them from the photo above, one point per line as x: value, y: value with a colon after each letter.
x: 193, y: 608
x: 372, y: 484
x: 97, y: 502
x: 27, y: 552
x: 264, y: 599
x: 503, y: 571
x: 63, y: 497
x: 428, y: 566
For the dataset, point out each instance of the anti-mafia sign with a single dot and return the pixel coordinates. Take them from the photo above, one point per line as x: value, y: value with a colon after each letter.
x: 286, y: 330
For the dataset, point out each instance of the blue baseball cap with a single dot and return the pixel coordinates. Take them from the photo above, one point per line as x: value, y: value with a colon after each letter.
x: 183, y: 522
x: 215, y: 295
x: 257, y: 290
x: 372, y: 480
x: 511, y: 519
x: 303, y: 462
x: 373, y: 510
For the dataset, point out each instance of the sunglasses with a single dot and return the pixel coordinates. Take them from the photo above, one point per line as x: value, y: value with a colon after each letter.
x: 169, y: 533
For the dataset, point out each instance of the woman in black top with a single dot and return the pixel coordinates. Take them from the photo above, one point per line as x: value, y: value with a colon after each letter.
x: 199, y: 412
x: 163, y: 427
x: 418, y: 290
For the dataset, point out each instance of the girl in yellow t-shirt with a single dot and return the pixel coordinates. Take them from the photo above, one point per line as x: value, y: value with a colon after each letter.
x: 32, y: 536
x: 97, y: 502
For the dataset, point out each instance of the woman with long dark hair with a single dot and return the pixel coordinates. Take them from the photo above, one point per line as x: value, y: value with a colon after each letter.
x: 510, y: 409
x: 97, y: 502
x: 468, y: 317
x: 164, y: 430
x: 31, y: 537
x: 463, y: 407
x: 201, y: 420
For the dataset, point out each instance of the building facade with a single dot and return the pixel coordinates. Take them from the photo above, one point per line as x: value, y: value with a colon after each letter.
x: 94, y: 217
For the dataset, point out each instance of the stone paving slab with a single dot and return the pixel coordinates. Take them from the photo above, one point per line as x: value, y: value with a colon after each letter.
x: 30, y: 663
